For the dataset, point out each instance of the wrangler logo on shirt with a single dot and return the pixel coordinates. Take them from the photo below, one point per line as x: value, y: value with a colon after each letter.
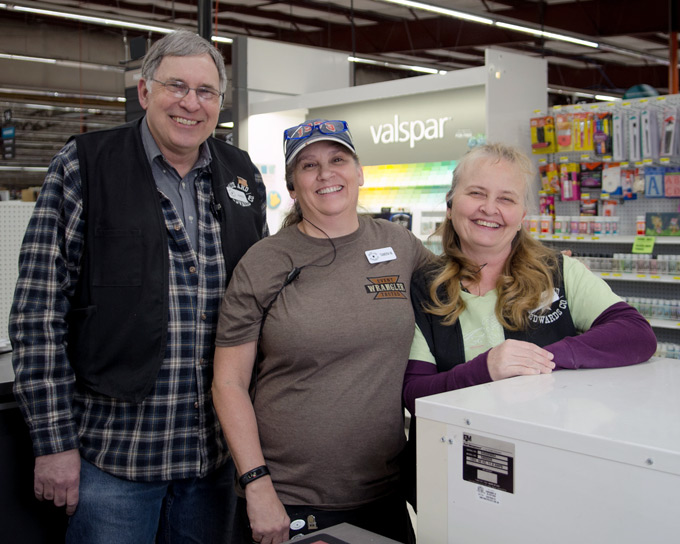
x: 386, y: 287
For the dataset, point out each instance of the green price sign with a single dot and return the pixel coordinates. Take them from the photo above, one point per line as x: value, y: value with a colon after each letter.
x: 644, y: 244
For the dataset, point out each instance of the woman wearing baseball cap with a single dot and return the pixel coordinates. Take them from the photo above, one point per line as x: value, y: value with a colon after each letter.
x: 319, y: 317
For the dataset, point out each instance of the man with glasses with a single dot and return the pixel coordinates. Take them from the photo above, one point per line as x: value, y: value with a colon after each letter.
x: 133, y: 240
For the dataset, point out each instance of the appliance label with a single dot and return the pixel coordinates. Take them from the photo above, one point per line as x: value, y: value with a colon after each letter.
x: 488, y: 462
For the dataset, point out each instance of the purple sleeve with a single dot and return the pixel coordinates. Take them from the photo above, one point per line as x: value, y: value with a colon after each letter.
x: 421, y: 378
x: 619, y: 336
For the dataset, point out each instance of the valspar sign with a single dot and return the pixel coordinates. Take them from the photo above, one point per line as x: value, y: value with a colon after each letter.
x: 409, y: 131
x: 423, y: 127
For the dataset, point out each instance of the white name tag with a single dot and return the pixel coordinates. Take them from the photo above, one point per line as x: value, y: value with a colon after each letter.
x: 237, y: 196
x: 380, y: 255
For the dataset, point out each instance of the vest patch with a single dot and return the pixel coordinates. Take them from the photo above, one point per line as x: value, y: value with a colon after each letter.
x: 240, y: 193
x: 556, y: 312
x: 385, y: 287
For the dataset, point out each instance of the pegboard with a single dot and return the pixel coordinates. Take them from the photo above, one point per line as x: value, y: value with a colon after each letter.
x: 627, y: 210
x: 14, y: 216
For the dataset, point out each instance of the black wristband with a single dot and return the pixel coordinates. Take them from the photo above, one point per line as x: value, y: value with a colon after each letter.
x: 252, y: 475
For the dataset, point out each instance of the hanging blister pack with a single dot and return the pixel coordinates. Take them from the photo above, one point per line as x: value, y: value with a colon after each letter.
x: 649, y: 133
x: 634, y: 148
x: 669, y: 134
x: 618, y: 133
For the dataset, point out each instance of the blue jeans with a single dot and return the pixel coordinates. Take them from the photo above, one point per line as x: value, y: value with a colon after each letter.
x: 116, y: 511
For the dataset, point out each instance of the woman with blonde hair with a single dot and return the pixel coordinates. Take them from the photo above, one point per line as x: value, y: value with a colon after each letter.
x: 498, y: 303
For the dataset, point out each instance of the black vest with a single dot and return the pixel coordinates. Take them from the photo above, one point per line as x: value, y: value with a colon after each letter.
x: 118, y: 322
x: 446, y: 342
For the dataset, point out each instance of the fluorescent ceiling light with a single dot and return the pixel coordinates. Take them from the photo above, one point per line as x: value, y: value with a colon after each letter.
x: 58, y: 94
x: 228, y: 124
x: 422, y: 69
x: 545, y: 34
x: 60, y: 62
x: 103, y: 21
x: 24, y: 168
x: 583, y: 94
x: 442, y: 11
x: 93, y: 20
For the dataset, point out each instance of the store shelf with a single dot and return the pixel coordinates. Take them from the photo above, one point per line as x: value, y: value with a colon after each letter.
x: 611, y: 239
x: 625, y: 276
x: 664, y: 324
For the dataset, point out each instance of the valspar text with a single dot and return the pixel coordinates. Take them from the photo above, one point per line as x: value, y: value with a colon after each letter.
x: 408, y: 131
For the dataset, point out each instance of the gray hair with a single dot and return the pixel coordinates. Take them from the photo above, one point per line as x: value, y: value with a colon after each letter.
x: 182, y: 43
x: 496, y: 152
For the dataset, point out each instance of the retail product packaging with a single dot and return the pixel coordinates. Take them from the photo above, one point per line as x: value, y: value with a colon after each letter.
x: 662, y: 223
x: 610, y: 207
x: 546, y: 224
x: 634, y: 147
x: 583, y: 131
x: 591, y: 175
x: 588, y: 205
x: 654, y: 182
x: 649, y: 133
x: 563, y: 125
x: 597, y: 227
x: 627, y: 183
x: 543, y: 134
x: 611, y: 179
x: 569, y: 181
x: 550, y: 179
x: 670, y: 142
x: 639, y: 180
x: 671, y: 184
x: 618, y: 137
x: 546, y: 204
x: 602, y: 136
x: 561, y: 224
x: 30, y: 194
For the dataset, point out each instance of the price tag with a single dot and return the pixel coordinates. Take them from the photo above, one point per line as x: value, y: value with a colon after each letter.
x: 643, y: 244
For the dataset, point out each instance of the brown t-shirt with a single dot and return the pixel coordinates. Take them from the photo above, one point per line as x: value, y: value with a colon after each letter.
x: 335, y: 345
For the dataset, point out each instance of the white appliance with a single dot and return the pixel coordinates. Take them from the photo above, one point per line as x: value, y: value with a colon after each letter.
x: 587, y: 456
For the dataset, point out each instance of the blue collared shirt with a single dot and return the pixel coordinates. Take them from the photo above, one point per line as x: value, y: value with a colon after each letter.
x: 180, y: 190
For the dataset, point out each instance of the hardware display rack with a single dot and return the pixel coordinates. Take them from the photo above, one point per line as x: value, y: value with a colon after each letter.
x: 14, y: 216
x: 654, y: 149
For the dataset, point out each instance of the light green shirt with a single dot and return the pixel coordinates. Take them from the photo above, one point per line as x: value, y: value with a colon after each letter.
x: 587, y: 296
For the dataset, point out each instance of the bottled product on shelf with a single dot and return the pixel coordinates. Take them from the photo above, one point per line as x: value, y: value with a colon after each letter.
x: 632, y: 263
x: 656, y: 308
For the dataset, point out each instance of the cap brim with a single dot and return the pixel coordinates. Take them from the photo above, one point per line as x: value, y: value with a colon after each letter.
x: 321, y: 137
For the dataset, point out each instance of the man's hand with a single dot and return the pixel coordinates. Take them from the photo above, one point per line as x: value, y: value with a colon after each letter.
x: 57, y: 478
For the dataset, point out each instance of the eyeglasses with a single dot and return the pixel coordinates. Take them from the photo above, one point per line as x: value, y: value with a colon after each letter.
x: 180, y: 89
x: 305, y: 130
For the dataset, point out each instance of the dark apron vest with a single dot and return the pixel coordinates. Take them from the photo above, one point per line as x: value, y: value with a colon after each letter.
x: 446, y: 344
x: 118, y: 322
